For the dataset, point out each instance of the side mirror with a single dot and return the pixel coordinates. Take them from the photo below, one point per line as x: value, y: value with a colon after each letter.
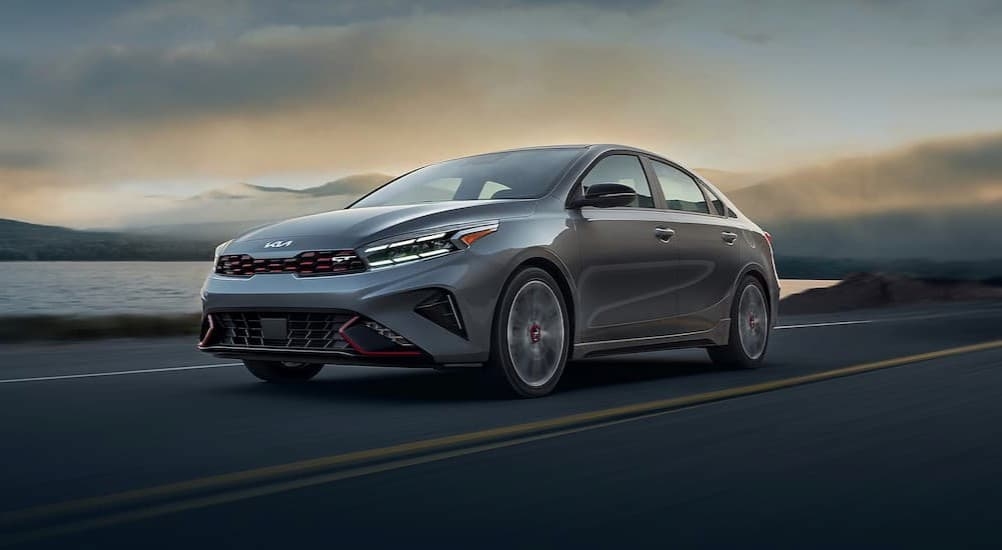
x: 606, y: 195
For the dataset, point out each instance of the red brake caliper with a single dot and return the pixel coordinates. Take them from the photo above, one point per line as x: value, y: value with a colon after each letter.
x: 535, y: 333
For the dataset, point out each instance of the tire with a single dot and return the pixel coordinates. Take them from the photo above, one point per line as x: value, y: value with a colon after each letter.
x: 750, y: 327
x: 531, y: 337
x: 281, y: 372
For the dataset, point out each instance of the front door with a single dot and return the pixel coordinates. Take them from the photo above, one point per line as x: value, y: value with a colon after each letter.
x: 625, y: 288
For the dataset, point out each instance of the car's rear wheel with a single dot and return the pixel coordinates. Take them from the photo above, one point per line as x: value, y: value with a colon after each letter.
x: 282, y: 371
x: 749, y: 331
x: 532, y: 335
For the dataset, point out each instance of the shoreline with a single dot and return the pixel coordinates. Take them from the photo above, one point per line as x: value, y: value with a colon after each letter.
x: 856, y: 292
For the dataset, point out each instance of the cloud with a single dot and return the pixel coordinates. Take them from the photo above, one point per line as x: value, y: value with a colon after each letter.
x: 991, y: 94
x: 385, y: 95
x: 17, y: 159
x: 121, y: 93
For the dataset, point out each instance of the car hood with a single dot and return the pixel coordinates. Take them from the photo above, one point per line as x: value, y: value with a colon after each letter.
x: 355, y: 227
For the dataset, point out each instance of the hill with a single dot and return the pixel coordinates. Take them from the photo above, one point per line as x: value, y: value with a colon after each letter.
x: 872, y: 290
x: 927, y: 177
x: 182, y: 230
x: 226, y: 211
x: 348, y: 187
x: 728, y: 181
x: 27, y: 241
x: 940, y: 201
x: 352, y: 186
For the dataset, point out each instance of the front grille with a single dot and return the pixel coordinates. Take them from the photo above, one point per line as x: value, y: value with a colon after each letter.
x: 307, y: 264
x: 309, y: 331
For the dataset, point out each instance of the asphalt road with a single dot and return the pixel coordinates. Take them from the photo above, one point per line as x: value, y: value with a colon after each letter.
x: 905, y: 456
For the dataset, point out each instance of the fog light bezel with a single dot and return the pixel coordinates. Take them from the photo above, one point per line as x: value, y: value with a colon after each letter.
x: 440, y: 298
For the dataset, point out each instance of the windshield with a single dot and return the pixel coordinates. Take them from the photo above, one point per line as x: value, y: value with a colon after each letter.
x: 526, y: 174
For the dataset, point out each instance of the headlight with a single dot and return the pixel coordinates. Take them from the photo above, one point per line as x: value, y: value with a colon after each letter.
x: 219, y: 251
x: 425, y: 246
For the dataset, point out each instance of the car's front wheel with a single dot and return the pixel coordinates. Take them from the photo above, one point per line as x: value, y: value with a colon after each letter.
x: 749, y: 331
x: 532, y: 335
x: 282, y: 371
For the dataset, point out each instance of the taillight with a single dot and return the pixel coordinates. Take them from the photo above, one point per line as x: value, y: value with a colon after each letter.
x: 768, y: 238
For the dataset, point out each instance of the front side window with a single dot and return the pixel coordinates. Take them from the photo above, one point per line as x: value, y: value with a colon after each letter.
x: 681, y: 191
x: 525, y: 174
x: 625, y: 170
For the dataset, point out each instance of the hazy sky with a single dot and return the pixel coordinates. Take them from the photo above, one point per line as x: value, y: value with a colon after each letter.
x: 171, y: 97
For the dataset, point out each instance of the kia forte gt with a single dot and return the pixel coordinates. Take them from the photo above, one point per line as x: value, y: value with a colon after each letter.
x: 511, y: 262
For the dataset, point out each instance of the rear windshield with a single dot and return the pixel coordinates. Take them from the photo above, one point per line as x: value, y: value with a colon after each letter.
x: 527, y: 174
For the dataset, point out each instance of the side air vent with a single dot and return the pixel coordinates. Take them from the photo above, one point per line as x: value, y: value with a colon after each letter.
x: 440, y: 308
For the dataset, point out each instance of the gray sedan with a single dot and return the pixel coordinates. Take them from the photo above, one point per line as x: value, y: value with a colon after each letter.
x: 511, y: 262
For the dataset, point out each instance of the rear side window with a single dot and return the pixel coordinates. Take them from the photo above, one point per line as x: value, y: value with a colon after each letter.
x: 681, y: 191
x: 717, y: 206
x: 625, y: 170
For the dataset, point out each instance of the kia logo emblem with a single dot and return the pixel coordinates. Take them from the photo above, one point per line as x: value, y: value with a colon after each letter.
x: 278, y: 244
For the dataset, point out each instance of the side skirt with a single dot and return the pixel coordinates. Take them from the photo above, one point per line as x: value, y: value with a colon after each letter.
x: 716, y: 336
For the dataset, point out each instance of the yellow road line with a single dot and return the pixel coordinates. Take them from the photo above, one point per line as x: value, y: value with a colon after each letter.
x: 399, y: 456
x: 236, y: 495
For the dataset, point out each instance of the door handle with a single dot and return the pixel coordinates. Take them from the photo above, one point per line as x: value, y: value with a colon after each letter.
x: 729, y: 237
x: 664, y: 234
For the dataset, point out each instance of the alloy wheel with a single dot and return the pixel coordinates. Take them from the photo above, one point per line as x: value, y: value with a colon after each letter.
x: 753, y: 321
x: 536, y: 333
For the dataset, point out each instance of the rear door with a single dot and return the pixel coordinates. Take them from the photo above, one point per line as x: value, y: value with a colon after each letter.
x: 708, y: 249
x: 622, y: 285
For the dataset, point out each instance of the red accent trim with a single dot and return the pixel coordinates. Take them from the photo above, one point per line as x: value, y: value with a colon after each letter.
x: 208, y: 334
x: 365, y: 352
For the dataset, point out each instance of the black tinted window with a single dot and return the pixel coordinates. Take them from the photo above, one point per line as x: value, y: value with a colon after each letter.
x: 526, y: 174
x: 716, y: 205
x: 681, y: 191
x: 625, y: 170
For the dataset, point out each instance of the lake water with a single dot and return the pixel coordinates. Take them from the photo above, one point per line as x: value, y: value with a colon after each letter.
x: 98, y: 288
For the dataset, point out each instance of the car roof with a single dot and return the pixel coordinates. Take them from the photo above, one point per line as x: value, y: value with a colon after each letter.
x: 596, y: 148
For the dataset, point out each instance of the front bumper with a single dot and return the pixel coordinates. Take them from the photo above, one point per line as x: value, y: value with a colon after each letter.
x: 385, y: 298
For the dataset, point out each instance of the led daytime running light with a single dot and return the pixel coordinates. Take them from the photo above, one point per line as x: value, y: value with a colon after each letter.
x: 409, y: 250
x: 425, y: 246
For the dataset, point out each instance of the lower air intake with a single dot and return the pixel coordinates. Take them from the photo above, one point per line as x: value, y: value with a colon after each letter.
x: 302, y: 331
x: 440, y: 308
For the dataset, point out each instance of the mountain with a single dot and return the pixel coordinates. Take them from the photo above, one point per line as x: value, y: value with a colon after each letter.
x: 950, y: 234
x: 215, y: 232
x: 930, y: 210
x: 225, y: 212
x: 925, y: 177
x: 356, y: 185
x: 28, y: 241
x: 241, y: 191
x: 348, y: 186
x: 729, y: 181
x: 940, y: 201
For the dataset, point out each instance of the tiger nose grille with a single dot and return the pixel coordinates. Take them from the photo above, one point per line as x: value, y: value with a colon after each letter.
x: 312, y: 331
x: 307, y: 264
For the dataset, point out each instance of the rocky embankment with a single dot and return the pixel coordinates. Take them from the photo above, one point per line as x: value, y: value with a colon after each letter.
x: 871, y: 290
